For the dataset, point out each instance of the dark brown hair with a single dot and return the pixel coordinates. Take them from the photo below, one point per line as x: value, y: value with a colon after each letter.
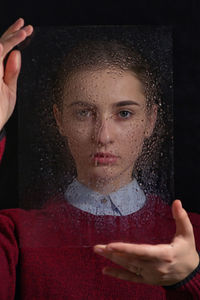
x: 101, y: 54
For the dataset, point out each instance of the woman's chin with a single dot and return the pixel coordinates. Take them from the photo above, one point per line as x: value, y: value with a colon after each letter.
x: 103, y: 173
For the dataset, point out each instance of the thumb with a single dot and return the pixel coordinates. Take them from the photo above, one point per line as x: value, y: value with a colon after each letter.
x: 12, y: 70
x: 183, y: 224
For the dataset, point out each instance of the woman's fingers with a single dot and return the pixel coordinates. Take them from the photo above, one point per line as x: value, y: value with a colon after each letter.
x: 136, y: 254
x: 13, y: 39
x: 123, y: 260
x: 183, y: 225
x: 12, y: 70
x: 161, y: 264
x: 19, y: 23
x: 9, y: 72
x: 141, y: 251
x: 123, y: 274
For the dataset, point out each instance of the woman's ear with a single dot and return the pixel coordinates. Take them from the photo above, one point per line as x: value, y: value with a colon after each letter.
x: 58, y: 117
x: 152, y: 117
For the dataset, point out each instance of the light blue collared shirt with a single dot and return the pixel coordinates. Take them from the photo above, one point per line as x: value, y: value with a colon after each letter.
x: 125, y: 201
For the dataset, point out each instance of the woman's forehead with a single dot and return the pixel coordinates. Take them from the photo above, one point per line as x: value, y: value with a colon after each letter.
x: 103, y: 84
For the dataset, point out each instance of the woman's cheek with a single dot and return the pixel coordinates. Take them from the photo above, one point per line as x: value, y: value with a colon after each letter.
x: 76, y: 131
x: 135, y: 144
x: 78, y: 142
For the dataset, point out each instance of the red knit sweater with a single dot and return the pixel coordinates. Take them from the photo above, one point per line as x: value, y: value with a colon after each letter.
x: 50, y: 252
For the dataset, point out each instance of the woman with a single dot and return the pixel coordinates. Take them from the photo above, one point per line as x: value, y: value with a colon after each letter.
x: 101, y: 120
x: 103, y: 116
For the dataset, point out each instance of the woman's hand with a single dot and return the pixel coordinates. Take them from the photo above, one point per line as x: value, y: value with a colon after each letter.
x: 163, y: 264
x: 14, y: 35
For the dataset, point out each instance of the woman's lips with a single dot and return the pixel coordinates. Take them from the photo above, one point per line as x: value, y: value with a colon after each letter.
x: 104, y: 158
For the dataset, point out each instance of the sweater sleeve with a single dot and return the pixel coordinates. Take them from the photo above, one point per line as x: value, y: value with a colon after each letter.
x: 2, y: 143
x: 8, y: 258
x: 189, y: 288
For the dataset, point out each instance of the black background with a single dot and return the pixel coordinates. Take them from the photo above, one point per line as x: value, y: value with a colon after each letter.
x: 184, y: 19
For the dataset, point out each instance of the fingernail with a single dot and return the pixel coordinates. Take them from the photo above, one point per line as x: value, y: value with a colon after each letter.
x: 22, y: 19
x: 19, y: 20
x: 28, y: 29
x: 99, y: 250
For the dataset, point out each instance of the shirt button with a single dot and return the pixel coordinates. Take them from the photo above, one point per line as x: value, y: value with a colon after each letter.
x: 103, y: 200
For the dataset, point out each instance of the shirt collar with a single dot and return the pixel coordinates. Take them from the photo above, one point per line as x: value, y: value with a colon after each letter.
x: 125, y: 201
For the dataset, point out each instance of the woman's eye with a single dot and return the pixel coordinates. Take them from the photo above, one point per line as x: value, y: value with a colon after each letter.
x: 125, y: 114
x: 84, y: 114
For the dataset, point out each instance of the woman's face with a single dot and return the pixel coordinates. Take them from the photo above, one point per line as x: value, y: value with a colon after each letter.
x: 105, y: 122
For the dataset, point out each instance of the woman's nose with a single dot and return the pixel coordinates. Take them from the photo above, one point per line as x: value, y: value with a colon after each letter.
x: 103, y: 132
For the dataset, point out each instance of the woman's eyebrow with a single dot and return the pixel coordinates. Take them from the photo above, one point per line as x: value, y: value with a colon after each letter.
x: 83, y: 103
x: 126, y: 102
x: 117, y: 104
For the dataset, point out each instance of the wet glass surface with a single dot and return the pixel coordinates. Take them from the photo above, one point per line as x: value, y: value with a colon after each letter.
x: 95, y: 129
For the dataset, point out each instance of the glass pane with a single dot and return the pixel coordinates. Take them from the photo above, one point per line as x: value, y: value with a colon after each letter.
x: 95, y: 128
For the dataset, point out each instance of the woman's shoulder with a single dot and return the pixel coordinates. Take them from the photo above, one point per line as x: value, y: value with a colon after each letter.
x: 22, y: 215
x: 12, y: 214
